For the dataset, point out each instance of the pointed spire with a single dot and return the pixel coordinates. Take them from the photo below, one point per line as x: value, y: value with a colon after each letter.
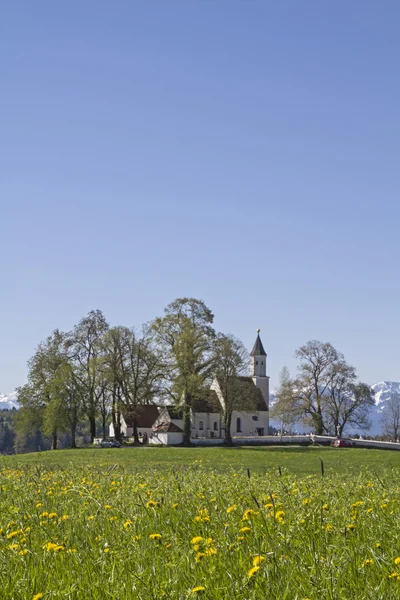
x: 258, y: 348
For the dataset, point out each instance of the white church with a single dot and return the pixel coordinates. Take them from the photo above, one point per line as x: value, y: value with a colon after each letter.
x: 164, y: 424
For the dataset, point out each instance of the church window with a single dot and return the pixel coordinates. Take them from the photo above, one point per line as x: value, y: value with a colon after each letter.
x: 256, y: 362
x: 238, y: 425
x: 201, y: 425
x: 215, y: 426
x: 255, y: 418
x: 262, y: 362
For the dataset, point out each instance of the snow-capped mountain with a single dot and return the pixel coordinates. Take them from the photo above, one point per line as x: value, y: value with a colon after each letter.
x: 8, y: 401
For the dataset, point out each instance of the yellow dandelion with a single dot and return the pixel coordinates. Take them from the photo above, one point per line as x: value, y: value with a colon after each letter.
x: 151, y: 503
x: 257, y: 560
x: 127, y: 524
x: 106, y: 550
x: 23, y: 552
x: 39, y: 504
x: 37, y: 596
x: 231, y: 508
x: 351, y: 526
x: 397, y: 561
x: 253, y: 571
x: 155, y: 536
x: 244, y: 529
x: 367, y: 563
x: 175, y: 505
x: 199, y: 556
x: 196, y: 540
x: 198, y: 589
x: 91, y: 518
x: 325, y: 507
x: 52, y: 515
x: 107, y: 506
x: 13, y: 534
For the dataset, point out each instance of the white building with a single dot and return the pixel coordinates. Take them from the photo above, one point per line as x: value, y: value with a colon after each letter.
x: 164, y: 424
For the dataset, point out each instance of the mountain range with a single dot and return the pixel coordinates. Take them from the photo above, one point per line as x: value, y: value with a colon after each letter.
x: 384, y: 392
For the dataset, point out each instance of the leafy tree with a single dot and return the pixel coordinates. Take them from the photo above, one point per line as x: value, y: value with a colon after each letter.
x: 230, y: 362
x: 133, y: 368
x: 84, y: 344
x: 185, y: 339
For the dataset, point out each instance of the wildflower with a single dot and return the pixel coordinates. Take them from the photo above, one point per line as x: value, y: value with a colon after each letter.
x: 37, y: 596
x: 71, y: 550
x: 198, y: 589
x: 394, y: 575
x: 127, y: 524
x: 39, y: 504
x: 197, y: 539
x: 328, y: 527
x: 168, y: 545
x: 107, y: 506
x: 155, y: 536
x: 13, y: 546
x: 13, y: 534
x: 175, y: 505
x: 351, y: 526
x: 151, y: 503
x: 106, y: 550
x: 249, y: 513
x: 368, y: 562
x: 244, y: 529
x: 231, y: 508
x: 44, y: 514
x: 325, y: 507
x: 199, y: 556
x: 253, y: 571
x: 91, y: 518
x: 306, y: 501
x: 257, y: 560
x: 397, y: 561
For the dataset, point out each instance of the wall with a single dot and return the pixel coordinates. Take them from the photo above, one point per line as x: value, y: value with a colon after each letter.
x: 167, y: 439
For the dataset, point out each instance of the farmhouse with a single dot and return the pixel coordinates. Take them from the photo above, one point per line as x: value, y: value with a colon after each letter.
x: 164, y: 424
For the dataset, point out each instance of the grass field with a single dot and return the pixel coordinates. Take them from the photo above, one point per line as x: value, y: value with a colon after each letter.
x: 241, y: 523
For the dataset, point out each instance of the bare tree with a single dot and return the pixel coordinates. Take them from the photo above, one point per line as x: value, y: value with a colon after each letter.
x: 287, y: 407
x: 391, y: 418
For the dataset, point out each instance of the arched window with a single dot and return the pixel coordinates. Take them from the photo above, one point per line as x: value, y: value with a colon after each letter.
x: 238, y: 425
x: 215, y: 426
x: 201, y: 425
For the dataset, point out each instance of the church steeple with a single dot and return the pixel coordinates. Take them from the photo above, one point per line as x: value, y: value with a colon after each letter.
x: 258, y: 358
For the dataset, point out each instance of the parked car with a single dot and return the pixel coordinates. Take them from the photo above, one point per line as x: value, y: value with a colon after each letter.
x: 110, y: 444
x: 339, y: 443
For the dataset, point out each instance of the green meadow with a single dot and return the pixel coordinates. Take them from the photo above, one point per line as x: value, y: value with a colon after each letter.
x: 245, y: 523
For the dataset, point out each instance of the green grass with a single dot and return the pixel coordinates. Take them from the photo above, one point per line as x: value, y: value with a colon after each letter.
x: 296, y: 459
x: 215, y: 523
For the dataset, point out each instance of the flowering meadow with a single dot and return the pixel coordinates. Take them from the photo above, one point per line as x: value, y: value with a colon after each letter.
x: 101, y: 529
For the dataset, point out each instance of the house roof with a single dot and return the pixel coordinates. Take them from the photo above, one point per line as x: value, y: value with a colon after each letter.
x: 208, y: 403
x: 258, y: 348
x: 174, y: 411
x: 167, y: 428
x: 145, y: 416
x: 256, y: 399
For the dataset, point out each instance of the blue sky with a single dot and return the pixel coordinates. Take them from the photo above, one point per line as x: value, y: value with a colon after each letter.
x: 242, y: 152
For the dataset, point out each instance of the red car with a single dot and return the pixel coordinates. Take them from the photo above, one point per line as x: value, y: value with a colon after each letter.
x: 342, y: 444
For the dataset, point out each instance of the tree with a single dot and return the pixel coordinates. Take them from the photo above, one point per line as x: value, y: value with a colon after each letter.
x: 40, y: 398
x: 84, y: 344
x: 391, y: 418
x: 185, y: 339
x: 133, y: 367
x: 346, y: 403
x: 315, y: 371
x: 230, y: 362
x: 326, y: 394
x: 286, y: 406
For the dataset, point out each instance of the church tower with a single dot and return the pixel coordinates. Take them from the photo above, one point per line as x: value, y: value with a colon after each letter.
x: 258, y: 368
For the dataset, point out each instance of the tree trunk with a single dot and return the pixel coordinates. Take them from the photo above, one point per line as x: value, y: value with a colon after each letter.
x: 92, y: 423
x: 73, y: 425
x: 115, y: 415
x: 54, y: 440
x: 318, y: 422
x: 187, y: 426
x: 135, y: 431
x: 103, y: 423
x: 227, y: 425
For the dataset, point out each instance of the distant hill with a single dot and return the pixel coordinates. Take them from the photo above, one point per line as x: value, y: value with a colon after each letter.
x: 8, y: 401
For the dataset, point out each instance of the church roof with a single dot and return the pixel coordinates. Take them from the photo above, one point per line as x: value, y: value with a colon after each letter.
x: 258, y: 348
